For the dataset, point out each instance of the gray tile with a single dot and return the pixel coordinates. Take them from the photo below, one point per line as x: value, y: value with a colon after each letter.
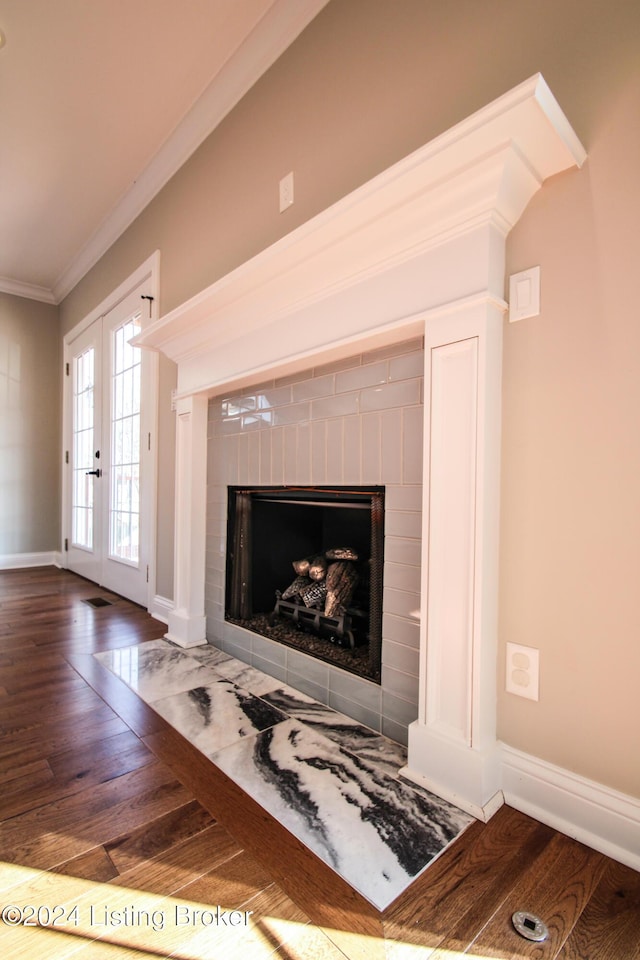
x: 354, y: 689
x: 307, y: 686
x: 370, y: 718
x: 401, y: 629
x: 305, y: 666
x: 269, y: 650
x: 399, y: 684
x: 395, y: 708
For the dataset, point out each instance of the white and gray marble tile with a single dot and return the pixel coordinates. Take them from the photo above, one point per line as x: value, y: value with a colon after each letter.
x: 247, y: 677
x: 372, y: 829
x: 350, y: 734
x: 331, y: 781
x: 208, y: 654
x: 217, y: 714
x: 156, y: 669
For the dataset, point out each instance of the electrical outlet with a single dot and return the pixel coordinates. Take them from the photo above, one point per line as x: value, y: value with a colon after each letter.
x: 523, y: 671
x: 286, y: 192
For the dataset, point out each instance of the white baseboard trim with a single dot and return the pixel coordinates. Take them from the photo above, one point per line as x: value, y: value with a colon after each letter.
x: 18, y: 561
x: 596, y: 815
x: 161, y: 608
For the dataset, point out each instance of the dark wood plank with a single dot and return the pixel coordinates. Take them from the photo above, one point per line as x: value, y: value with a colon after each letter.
x: 609, y: 927
x: 130, y: 849
x: 94, y: 865
x: 96, y: 786
x: 182, y: 863
x: 468, y: 883
x: 65, y: 828
x: 235, y: 882
x: 557, y: 887
x: 78, y: 774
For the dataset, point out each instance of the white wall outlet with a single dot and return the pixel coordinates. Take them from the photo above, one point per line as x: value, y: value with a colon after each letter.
x: 286, y: 192
x: 524, y: 294
x: 523, y: 671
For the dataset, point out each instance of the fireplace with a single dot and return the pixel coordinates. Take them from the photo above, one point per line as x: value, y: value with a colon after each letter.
x: 304, y: 567
x: 417, y: 252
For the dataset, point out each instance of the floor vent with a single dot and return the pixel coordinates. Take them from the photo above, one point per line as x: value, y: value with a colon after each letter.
x: 98, y: 602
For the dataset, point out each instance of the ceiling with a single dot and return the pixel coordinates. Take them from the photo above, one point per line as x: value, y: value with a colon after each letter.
x: 100, y: 102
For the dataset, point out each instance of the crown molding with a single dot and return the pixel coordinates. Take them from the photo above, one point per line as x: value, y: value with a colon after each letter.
x: 279, y: 27
x: 30, y: 291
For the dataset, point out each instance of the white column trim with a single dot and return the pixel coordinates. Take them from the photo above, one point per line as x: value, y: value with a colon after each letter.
x: 452, y: 745
x: 187, y: 622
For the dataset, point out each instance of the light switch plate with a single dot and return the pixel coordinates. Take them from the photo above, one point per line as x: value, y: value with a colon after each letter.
x: 286, y: 192
x: 524, y: 294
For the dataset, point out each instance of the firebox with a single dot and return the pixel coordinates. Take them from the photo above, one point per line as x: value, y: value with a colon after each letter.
x: 304, y: 568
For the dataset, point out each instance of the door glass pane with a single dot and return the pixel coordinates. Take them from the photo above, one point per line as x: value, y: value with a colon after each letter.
x: 124, y: 501
x: 83, y: 397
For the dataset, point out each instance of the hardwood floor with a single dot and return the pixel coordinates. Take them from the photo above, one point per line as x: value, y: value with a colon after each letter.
x: 98, y: 793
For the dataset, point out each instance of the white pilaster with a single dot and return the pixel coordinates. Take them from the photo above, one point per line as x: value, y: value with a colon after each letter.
x: 452, y: 745
x: 187, y: 623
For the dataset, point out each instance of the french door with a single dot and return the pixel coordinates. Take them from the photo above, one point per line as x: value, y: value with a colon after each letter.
x: 109, y: 455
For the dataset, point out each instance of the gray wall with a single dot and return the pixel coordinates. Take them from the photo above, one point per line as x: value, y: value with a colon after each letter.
x: 29, y: 427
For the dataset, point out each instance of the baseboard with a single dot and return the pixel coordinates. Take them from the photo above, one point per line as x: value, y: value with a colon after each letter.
x: 17, y: 561
x: 590, y: 812
x: 160, y: 609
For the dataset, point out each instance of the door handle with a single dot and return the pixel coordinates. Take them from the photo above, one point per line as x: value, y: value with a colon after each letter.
x: 93, y: 473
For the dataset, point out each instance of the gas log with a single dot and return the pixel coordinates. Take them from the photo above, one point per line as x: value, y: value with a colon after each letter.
x: 322, y: 585
x: 341, y: 580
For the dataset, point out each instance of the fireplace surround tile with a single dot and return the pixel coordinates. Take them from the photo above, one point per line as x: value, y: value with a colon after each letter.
x: 412, y: 423
x: 401, y: 657
x: 316, y: 690
x: 266, y: 649
x: 401, y: 629
x: 400, y: 684
x: 316, y: 670
x: 369, y: 717
x: 327, y: 439
x: 399, y: 394
x: 267, y: 666
x: 407, y: 366
x: 402, y: 576
x: 355, y: 689
x: 403, y: 497
x: 315, y: 388
x: 342, y: 405
x: 391, y: 446
x: 403, y: 523
x: 369, y: 375
x: 396, y: 709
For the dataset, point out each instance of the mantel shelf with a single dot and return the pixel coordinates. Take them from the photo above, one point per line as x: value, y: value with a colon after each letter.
x: 480, y: 173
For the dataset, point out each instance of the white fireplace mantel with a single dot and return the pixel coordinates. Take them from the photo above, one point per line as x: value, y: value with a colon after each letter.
x: 418, y: 250
x: 323, y: 284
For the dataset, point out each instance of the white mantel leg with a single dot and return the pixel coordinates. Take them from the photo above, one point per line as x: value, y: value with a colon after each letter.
x: 187, y: 623
x: 452, y: 744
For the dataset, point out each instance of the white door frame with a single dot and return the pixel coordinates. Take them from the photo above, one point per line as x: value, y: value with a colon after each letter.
x: 149, y: 270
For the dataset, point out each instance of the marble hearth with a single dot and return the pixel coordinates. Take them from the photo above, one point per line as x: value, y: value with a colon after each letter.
x: 330, y: 781
x: 416, y: 254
